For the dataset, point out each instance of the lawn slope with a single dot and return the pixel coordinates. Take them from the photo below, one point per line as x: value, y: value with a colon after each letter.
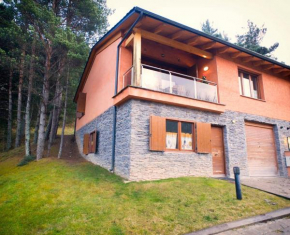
x: 62, y: 197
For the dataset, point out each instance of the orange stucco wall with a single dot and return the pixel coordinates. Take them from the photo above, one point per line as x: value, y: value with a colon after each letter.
x: 276, y: 92
x: 100, y: 84
x: 125, y: 63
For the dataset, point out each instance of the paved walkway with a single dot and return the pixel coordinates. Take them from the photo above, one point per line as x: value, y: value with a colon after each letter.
x: 279, y: 226
x: 276, y: 185
x: 274, y: 222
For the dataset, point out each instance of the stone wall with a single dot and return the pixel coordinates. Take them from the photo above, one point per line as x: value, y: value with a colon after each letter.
x: 149, y: 165
x: 134, y: 160
x: 104, y: 126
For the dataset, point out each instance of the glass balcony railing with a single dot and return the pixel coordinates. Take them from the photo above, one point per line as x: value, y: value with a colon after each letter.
x: 174, y: 83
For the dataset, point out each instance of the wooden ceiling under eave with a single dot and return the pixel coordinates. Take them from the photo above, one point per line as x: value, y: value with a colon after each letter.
x: 216, y: 48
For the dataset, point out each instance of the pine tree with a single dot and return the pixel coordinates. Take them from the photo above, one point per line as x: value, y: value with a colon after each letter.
x: 208, y: 28
x: 253, y: 38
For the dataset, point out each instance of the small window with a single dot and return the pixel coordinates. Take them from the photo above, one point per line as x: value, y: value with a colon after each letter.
x: 186, y: 136
x: 179, y: 135
x: 90, y: 143
x: 171, y: 134
x: 175, y: 135
x: 93, y: 142
x: 249, y: 85
x: 81, y: 105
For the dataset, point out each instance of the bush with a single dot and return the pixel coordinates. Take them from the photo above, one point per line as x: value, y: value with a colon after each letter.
x: 26, y: 160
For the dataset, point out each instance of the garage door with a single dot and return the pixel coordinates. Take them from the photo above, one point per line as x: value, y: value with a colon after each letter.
x: 261, y: 150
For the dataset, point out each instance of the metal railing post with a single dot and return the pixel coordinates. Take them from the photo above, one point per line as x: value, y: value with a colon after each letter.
x: 132, y: 74
x: 170, y: 83
x: 195, y: 90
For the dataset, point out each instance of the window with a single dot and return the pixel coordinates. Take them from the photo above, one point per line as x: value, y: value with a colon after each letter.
x: 174, y: 135
x: 90, y: 143
x: 81, y: 105
x: 249, y: 85
x: 179, y: 135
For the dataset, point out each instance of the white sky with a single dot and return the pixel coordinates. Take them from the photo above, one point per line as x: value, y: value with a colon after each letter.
x: 227, y: 15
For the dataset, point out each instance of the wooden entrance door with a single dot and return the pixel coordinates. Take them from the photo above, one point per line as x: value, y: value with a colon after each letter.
x: 218, y: 155
x: 261, y: 150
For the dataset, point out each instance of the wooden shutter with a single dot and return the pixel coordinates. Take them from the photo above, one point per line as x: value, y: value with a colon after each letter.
x: 81, y: 105
x: 157, y: 133
x: 94, y: 147
x: 86, y: 143
x: 203, y: 137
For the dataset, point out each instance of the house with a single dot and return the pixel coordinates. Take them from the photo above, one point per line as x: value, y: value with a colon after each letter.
x: 158, y: 99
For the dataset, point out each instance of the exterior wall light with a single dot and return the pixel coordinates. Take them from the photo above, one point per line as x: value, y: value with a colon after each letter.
x: 288, y: 141
x: 205, y: 68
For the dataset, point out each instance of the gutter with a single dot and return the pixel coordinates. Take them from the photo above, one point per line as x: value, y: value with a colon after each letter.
x: 116, y: 90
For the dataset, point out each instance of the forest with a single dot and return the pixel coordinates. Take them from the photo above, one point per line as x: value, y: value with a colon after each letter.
x: 44, y: 48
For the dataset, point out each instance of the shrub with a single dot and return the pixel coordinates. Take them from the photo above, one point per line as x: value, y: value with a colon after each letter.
x: 26, y: 160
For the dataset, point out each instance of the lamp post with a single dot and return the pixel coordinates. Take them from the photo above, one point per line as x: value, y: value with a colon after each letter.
x: 238, y: 183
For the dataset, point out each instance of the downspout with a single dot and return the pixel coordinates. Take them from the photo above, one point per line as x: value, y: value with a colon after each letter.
x: 116, y: 91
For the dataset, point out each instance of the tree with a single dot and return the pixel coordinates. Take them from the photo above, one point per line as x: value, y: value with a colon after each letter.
x: 63, y: 30
x: 253, y: 38
x: 28, y: 102
x: 208, y: 28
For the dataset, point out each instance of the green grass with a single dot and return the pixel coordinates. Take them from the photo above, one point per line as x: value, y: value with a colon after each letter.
x: 56, y: 197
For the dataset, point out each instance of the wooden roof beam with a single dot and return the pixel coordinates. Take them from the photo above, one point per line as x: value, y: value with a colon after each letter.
x: 258, y: 63
x: 129, y: 40
x: 207, y: 45
x: 278, y: 70
x: 159, y: 28
x: 285, y: 73
x: 176, y: 34
x: 175, y: 44
x: 236, y: 54
x: 269, y: 66
x: 193, y: 40
x: 222, y: 50
x: 248, y: 59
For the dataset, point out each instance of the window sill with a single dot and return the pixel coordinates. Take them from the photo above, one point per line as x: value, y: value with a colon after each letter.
x: 178, y: 151
x: 252, y: 98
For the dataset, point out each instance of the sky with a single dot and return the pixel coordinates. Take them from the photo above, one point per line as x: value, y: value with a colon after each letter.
x: 230, y: 16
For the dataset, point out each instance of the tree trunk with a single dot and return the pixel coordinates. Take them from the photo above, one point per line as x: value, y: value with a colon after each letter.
x: 36, y: 127
x: 19, y: 102
x: 28, y: 102
x: 64, y: 116
x: 48, y: 126
x: 43, y: 106
x: 56, y: 107
x: 9, y: 125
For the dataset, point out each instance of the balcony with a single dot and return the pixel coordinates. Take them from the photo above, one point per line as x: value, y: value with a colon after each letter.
x: 166, y: 81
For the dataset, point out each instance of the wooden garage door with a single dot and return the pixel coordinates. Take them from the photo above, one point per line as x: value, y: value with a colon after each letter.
x: 261, y: 150
x: 218, y: 155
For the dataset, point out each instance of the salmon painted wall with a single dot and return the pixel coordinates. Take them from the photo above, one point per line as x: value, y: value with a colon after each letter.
x: 276, y: 92
x: 100, y: 84
x: 125, y: 62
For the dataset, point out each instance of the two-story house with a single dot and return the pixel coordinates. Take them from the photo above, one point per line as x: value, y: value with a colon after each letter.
x: 158, y: 99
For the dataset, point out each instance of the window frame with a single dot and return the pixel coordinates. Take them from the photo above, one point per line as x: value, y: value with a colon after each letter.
x: 241, y: 72
x: 179, y: 135
x: 91, y: 141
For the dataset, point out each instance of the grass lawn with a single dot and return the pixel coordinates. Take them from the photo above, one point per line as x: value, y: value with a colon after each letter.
x: 60, y: 197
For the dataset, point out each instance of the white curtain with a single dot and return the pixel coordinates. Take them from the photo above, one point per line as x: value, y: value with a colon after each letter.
x: 186, y: 141
x: 171, y: 140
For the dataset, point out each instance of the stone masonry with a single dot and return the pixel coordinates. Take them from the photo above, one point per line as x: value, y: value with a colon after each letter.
x: 134, y: 160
